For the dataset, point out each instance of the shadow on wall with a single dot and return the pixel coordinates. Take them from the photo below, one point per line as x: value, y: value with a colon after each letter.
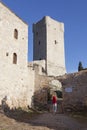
x: 4, y: 105
x: 40, y: 99
x: 39, y: 102
x: 19, y: 114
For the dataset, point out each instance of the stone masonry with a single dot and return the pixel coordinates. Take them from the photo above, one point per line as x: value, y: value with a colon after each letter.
x: 73, y: 87
x: 16, y: 79
x: 48, y: 39
x: 21, y: 82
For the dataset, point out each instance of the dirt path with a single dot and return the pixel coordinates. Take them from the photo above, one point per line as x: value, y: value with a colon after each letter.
x: 45, y: 121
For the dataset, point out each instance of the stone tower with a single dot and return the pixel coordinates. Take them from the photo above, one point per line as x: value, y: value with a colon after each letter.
x: 48, y: 39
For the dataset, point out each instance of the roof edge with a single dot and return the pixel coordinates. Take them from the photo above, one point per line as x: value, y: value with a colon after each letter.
x: 13, y: 12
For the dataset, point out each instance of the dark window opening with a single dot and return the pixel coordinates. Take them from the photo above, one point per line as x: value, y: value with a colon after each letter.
x: 39, y: 43
x: 37, y: 33
x: 55, y: 42
x: 7, y: 53
x: 14, y: 58
x: 16, y: 34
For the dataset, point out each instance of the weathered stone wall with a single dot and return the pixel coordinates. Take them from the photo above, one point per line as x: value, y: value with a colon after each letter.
x: 20, y: 82
x: 41, y: 87
x: 45, y: 85
x: 16, y: 80
x: 39, y: 40
x: 55, y: 47
x: 30, y: 86
x: 8, y: 43
x: 74, y: 89
x: 38, y: 66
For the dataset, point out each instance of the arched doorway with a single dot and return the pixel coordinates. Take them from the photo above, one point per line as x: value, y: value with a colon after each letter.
x: 56, y: 86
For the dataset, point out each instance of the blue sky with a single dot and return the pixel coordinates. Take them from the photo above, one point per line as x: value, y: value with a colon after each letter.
x: 73, y: 13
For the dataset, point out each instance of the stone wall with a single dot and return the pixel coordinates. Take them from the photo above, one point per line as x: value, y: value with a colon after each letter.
x: 45, y: 87
x: 17, y: 84
x: 41, y: 88
x: 16, y: 79
x: 38, y: 66
x: 55, y: 47
x: 74, y: 90
x: 21, y: 82
x: 73, y: 87
x: 8, y: 43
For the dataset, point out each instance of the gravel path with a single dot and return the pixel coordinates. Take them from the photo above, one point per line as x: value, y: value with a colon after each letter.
x: 45, y: 121
x: 58, y: 122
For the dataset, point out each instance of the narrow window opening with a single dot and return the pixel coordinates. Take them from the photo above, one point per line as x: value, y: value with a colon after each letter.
x: 7, y: 53
x: 16, y: 34
x: 14, y: 58
x: 55, y: 42
x: 39, y: 43
x: 37, y: 33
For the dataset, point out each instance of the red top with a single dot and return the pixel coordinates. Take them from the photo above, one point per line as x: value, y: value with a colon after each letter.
x: 54, y: 100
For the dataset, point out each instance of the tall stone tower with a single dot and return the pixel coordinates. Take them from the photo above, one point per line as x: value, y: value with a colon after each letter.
x: 48, y: 39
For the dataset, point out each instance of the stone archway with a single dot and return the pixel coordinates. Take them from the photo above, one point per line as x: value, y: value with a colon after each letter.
x: 56, y: 86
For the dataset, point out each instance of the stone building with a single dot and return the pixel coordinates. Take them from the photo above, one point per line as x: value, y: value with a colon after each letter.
x: 16, y: 78
x: 21, y: 81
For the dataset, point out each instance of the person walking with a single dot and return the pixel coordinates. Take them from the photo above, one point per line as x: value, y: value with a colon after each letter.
x: 54, y: 102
